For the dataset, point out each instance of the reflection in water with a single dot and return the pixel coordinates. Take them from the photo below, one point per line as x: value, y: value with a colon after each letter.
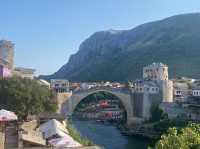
x: 109, y: 136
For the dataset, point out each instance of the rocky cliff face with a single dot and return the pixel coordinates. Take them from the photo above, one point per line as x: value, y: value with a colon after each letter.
x: 120, y: 55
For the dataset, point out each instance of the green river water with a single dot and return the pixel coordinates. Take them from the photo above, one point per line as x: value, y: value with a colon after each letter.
x: 109, y: 136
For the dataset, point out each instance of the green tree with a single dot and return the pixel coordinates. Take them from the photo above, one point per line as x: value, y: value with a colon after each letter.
x: 186, y: 138
x: 25, y: 96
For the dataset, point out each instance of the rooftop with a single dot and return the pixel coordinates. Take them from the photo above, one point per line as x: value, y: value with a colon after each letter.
x: 157, y: 65
x: 25, y: 70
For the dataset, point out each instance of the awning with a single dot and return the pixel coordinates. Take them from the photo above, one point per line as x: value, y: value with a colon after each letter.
x: 53, y: 127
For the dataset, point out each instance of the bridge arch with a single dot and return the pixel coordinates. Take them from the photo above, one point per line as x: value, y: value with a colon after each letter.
x: 124, y: 96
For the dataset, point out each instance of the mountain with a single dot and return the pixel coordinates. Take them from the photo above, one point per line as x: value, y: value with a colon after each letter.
x: 120, y: 55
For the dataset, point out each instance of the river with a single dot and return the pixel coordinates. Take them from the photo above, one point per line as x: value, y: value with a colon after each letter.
x: 109, y: 136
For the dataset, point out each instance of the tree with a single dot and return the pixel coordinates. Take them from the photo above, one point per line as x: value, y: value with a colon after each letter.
x: 186, y: 138
x: 25, y: 96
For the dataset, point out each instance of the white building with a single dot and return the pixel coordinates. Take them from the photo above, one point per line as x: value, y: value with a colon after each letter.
x: 196, y: 92
x: 60, y: 85
x: 181, y: 91
x: 155, y: 71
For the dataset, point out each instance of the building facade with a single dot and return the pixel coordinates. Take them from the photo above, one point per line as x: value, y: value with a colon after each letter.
x: 167, y: 90
x: 154, y: 89
x: 6, y: 54
x: 6, y: 58
x: 145, y: 94
x: 155, y: 71
x: 59, y: 85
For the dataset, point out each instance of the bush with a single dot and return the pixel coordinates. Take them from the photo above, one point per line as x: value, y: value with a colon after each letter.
x: 185, y: 138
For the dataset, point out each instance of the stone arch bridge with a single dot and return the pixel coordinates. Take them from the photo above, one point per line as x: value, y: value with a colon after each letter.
x: 68, y: 103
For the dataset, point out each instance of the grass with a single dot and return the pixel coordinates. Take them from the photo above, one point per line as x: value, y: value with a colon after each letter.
x: 75, y: 134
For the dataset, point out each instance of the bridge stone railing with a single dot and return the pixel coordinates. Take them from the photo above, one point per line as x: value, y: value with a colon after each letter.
x: 121, y: 90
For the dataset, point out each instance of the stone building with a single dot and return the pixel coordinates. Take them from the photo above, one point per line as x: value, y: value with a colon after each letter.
x: 154, y: 89
x: 6, y: 58
x: 167, y: 90
x: 145, y: 94
x: 6, y: 54
x: 155, y: 71
x: 59, y: 85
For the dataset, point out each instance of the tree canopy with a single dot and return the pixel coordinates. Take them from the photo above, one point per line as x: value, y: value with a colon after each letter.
x: 185, y: 138
x: 25, y: 96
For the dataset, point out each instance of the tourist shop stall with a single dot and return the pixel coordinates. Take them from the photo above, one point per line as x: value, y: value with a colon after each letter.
x: 57, y: 135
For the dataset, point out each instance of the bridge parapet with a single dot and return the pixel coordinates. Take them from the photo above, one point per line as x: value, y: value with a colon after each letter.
x: 111, y: 89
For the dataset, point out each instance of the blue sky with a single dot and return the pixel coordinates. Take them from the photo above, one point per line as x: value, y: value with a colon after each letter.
x: 47, y: 32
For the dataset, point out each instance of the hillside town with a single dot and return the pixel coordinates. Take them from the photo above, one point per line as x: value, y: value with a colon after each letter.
x: 177, y: 97
x: 99, y: 74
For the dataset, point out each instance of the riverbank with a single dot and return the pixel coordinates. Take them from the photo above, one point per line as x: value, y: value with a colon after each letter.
x: 75, y: 134
x: 142, y: 131
x: 154, y: 130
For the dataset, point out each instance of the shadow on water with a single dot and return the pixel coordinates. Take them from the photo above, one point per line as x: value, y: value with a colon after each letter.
x: 109, y: 136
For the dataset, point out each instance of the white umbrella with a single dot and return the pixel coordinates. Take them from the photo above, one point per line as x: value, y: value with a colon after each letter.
x: 7, y: 115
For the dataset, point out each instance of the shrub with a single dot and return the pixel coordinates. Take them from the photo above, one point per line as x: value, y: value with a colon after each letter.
x: 185, y: 138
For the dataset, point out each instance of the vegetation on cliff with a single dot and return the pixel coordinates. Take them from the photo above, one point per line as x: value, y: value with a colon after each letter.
x: 25, y: 96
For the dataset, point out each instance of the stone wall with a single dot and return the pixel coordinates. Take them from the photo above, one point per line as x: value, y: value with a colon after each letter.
x: 61, y: 99
x: 2, y: 136
x: 167, y: 91
x: 137, y: 99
